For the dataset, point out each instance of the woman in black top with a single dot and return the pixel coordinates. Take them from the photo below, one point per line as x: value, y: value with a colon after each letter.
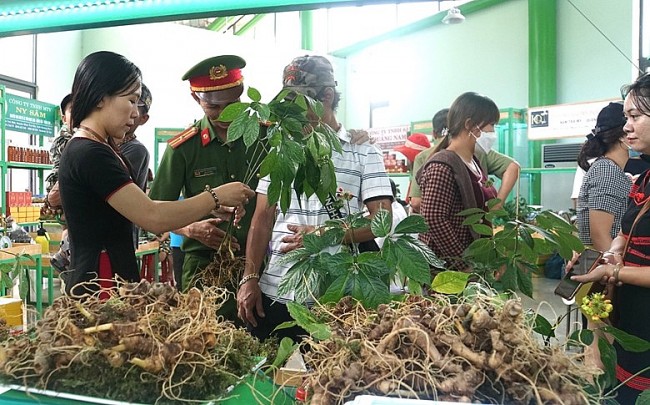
x: 98, y: 194
x: 630, y: 270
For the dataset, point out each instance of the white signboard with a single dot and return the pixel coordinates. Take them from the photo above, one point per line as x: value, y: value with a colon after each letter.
x: 563, y: 120
x: 389, y: 137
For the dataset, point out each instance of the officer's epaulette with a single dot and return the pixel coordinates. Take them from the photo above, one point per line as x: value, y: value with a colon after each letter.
x: 183, y: 136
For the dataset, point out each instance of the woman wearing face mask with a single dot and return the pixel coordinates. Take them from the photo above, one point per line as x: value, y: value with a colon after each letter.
x: 627, y: 267
x: 452, y: 179
x: 603, y: 194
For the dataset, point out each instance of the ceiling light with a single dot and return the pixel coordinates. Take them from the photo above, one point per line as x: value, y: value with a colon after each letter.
x: 454, y: 16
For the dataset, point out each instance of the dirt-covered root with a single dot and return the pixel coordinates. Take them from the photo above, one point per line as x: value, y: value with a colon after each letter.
x: 480, y: 349
x: 172, y: 345
x: 225, y: 270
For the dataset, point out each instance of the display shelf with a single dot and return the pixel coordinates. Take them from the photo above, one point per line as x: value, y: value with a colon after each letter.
x: 6, y: 165
x: 33, y: 166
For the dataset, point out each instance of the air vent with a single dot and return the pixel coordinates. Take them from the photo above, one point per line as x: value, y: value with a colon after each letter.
x: 561, y: 153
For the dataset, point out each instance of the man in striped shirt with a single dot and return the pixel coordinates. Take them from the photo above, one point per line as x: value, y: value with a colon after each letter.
x: 359, y: 171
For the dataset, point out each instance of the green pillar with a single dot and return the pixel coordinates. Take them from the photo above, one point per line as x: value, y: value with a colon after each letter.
x: 542, y: 72
x: 307, y: 30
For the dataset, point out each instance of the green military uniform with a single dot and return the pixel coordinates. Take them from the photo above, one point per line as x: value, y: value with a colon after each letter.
x: 191, y: 166
x: 493, y: 163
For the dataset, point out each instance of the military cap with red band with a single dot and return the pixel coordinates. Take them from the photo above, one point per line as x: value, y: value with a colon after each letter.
x: 218, y: 74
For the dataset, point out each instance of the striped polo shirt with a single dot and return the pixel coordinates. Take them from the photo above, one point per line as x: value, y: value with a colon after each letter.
x: 359, y: 170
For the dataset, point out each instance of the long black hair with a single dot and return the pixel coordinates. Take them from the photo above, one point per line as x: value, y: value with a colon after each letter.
x: 639, y: 91
x: 605, y: 136
x: 100, y: 74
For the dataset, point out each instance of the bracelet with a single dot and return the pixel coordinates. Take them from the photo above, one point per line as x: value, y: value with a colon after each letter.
x: 612, y: 253
x: 245, y: 279
x: 617, y: 269
x: 214, y: 196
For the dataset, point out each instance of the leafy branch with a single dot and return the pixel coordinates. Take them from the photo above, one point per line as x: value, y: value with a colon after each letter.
x: 289, y: 147
x: 512, y: 249
x: 9, y: 273
x: 327, y: 270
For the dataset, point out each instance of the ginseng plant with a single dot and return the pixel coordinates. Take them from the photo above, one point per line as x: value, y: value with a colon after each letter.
x: 293, y: 151
x: 326, y: 269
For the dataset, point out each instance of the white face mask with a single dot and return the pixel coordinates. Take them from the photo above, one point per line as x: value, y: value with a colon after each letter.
x: 486, y: 140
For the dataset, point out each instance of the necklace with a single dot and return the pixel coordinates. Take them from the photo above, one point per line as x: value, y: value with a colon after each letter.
x: 94, y: 134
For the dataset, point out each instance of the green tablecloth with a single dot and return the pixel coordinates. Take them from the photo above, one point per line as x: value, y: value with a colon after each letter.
x: 254, y: 389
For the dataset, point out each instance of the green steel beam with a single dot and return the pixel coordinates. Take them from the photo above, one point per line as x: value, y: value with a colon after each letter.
x: 307, y: 30
x: 250, y: 24
x: 425, y: 23
x: 19, y: 17
x: 542, y: 73
x: 217, y: 24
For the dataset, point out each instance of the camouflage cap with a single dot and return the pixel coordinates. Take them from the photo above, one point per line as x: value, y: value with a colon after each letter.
x: 145, y: 98
x: 308, y: 75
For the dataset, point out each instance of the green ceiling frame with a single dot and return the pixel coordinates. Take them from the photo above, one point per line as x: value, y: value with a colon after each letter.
x: 425, y: 23
x: 250, y: 24
x: 19, y: 17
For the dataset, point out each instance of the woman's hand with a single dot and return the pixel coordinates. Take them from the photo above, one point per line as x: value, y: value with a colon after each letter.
x: 601, y: 274
x: 234, y: 194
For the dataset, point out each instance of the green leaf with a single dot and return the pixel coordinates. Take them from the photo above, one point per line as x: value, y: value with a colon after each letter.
x: 313, y: 243
x: 450, y: 282
x: 525, y: 278
x: 608, y: 358
x: 293, y: 151
x: 232, y: 111
x: 412, y: 224
x: 643, y: 398
x: 308, y: 322
x: 286, y: 348
x: 509, y: 277
x: 263, y: 111
x: 294, y: 126
x: 269, y: 163
x: 339, y: 263
x: 285, y: 197
x: 492, y: 202
x: 251, y: 131
x: 254, y: 94
x: 381, y: 223
x: 526, y: 237
x: 282, y: 95
x: 582, y: 336
x: 482, y: 229
x: 316, y: 106
x: 629, y: 342
x: 337, y: 289
x: 471, y: 211
x: 496, y: 214
x: 551, y: 221
x: 543, y: 326
x: 473, y: 219
x: 408, y: 259
x: 273, y: 194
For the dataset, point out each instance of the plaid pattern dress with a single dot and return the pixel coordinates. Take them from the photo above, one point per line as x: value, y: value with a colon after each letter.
x: 442, y: 200
x: 605, y: 187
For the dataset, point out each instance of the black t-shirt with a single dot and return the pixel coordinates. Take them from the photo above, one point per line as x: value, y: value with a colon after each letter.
x: 631, y: 301
x: 89, y: 173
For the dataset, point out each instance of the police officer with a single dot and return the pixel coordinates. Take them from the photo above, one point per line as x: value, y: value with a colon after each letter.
x: 200, y: 156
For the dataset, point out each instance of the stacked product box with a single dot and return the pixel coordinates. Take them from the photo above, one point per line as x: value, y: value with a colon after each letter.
x: 20, y: 207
